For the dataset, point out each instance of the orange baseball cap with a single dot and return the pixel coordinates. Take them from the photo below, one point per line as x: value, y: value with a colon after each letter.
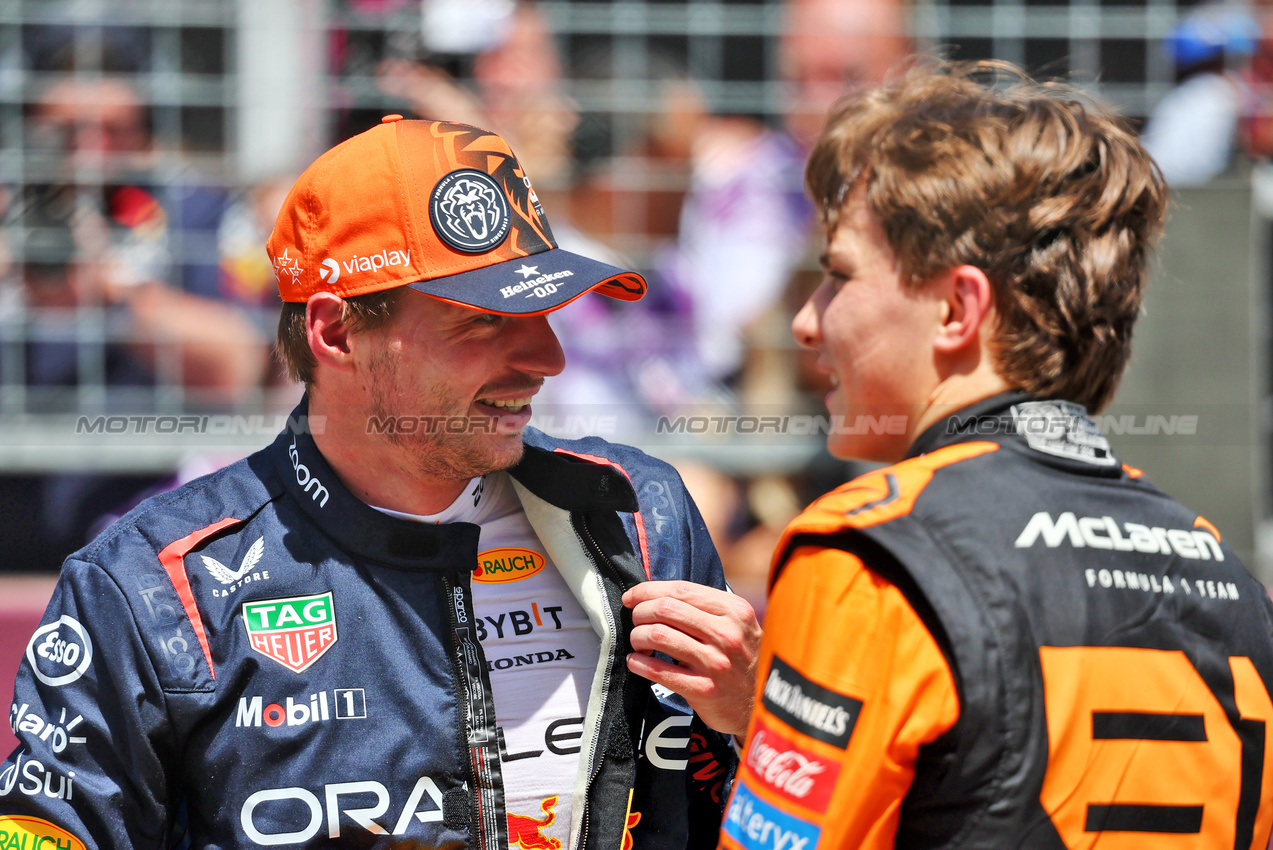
x: 443, y: 208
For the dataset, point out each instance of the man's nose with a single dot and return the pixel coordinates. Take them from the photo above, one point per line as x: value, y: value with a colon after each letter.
x: 805, y: 327
x: 538, y: 350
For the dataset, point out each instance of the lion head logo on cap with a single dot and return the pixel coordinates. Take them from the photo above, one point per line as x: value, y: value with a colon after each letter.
x: 469, y: 211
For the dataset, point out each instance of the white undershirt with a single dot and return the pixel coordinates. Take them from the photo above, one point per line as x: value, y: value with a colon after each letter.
x: 540, y: 650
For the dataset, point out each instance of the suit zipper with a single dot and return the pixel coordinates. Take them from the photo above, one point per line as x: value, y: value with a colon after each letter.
x: 489, y: 838
x: 594, y: 549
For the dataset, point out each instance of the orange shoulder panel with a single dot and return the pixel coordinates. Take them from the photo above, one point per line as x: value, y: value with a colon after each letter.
x: 850, y: 685
x: 878, y: 496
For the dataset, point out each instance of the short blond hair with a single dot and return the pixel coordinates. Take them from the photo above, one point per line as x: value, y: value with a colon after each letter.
x: 1047, y: 192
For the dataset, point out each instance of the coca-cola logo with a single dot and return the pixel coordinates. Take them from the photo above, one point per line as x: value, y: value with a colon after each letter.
x: 796, y: 773
x: 786, y: 770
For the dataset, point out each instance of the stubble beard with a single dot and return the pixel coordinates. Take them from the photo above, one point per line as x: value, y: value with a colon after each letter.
x: 434, y: 449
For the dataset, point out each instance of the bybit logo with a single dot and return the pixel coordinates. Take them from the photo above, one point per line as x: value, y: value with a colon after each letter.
x: 330, y: 271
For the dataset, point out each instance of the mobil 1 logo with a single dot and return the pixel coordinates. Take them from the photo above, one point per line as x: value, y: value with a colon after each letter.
x: 338, y: 704
x: 808, y: 707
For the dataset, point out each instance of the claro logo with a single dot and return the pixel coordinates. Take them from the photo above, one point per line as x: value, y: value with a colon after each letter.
x: 306, y: 479
x: 1104, y: 532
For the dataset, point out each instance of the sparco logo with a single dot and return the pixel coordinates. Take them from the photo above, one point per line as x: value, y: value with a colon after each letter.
x: 540, y: 287
x: 783, y: 767
x: 1104, y: 532
x: 457, y: 595
x: 306, y: 479
x: 810, y: 708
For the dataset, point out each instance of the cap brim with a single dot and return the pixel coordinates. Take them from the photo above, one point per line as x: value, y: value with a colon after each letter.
x: 539, y: 283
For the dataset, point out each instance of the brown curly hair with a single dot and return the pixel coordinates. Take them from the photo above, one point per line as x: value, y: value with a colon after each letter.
x: 1047, y: 192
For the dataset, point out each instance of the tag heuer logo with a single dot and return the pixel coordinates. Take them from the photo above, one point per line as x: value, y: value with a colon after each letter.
x: 295, y: 631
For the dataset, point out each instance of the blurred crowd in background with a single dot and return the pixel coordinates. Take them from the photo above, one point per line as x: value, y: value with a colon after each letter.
x: 133, y: 277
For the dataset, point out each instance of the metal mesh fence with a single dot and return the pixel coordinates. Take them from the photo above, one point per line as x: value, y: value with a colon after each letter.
x: 143, y: 146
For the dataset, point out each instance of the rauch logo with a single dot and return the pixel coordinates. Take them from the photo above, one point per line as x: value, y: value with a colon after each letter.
x: 27, y: 833
x: 495, y: 566
x: 295, y: 632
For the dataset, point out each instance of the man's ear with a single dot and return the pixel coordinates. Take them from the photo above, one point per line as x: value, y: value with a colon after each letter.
x: 969, y: 303
x: 327, y: 331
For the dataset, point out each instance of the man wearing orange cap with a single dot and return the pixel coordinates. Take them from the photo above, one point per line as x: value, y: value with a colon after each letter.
x: 411, y: 621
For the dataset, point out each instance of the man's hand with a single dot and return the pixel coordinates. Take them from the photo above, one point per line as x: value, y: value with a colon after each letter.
x: 711, y: 633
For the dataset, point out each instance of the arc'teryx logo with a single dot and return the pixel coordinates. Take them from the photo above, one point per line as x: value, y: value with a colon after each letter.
x: 755, y: 824
x: 241, y: 576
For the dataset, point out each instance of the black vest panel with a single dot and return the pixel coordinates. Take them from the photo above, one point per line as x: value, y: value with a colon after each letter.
x: 1045, y: 567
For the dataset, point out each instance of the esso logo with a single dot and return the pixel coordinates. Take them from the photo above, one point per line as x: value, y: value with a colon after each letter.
x: 60, y: 652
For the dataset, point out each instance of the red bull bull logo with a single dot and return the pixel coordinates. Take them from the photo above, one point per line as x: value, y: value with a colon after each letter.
x: 528, y: 833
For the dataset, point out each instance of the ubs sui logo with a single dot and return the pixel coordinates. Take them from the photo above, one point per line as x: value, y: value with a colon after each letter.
x: 469, y: 211
x: 496, y: 566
